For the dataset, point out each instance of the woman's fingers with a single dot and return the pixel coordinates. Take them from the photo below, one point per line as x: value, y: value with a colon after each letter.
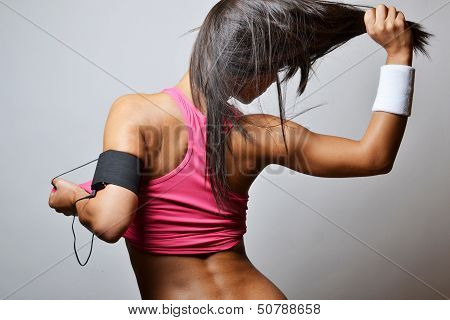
x: 400, y: 20
x: 55, y: 182
x: 400, y: 16
x: 52, y: 199
x: 369, y: 19
x: 390, y: 19
x: 381, y: 14
x: 392, y: 13
x: 57, y: 199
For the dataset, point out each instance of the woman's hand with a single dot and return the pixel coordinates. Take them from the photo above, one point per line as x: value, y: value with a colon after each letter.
x: 63, y: 199
x: 388, y: 27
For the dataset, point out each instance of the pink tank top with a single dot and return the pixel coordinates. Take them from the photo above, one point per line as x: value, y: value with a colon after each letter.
x: 178, y: 213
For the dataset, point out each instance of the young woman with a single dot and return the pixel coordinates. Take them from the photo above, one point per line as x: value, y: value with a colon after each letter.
x: 184, y: 228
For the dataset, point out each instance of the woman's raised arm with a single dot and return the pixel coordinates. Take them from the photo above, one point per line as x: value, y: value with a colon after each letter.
x: 329, y: 156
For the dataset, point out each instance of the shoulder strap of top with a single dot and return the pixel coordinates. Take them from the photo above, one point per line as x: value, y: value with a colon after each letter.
x: 179, y: 101
x: 186, y: 102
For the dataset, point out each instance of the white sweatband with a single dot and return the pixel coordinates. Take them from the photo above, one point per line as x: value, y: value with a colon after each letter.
x: 395, y: 90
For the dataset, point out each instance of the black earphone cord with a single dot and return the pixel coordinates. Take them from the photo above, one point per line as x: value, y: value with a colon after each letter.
x: 92, y: 195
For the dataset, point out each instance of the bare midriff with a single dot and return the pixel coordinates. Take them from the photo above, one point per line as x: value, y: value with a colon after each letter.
x: 225, y: 275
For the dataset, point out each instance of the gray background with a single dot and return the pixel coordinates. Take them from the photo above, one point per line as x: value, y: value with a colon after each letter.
x: 384, y: 237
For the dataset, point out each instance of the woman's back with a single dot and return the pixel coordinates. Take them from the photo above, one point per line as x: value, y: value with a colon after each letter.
x: 177, y: 211
x: 181, y: 247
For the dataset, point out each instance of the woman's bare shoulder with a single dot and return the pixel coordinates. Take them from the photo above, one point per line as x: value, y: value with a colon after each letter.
x: 264, y: 121
x: 266, y: 140
x: 147, y: 108
x: 261, y: 126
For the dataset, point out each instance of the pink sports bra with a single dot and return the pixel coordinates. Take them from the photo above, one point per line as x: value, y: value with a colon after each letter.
x: 177, y: 212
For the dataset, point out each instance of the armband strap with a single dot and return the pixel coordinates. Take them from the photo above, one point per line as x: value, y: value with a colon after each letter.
x: 118, y: 168
x: 395, y: 89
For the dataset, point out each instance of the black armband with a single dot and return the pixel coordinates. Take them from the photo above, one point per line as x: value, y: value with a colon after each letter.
x: 118, y: 168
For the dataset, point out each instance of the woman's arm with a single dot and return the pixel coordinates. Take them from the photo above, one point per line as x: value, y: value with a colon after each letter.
x: 324, y: 155
x: 335, y: 157
x: 110, y: 212
x: 329, y: 156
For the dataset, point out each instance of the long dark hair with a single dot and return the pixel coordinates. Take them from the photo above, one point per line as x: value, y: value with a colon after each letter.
x: 241, y: 40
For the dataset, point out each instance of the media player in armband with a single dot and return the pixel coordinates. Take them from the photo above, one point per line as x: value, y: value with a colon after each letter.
x: 118, y: 168
x: 395, y: 89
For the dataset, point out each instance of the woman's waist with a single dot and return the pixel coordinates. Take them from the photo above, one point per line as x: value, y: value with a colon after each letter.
x: 208, y: 274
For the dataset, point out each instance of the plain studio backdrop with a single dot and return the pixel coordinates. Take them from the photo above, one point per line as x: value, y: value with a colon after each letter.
x: 64, y: 62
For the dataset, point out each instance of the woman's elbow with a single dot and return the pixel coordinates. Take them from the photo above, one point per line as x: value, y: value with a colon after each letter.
x: 108, y: 231
x: 104, y: 229
x: 381, y: 165
x: 108, y: 235
x: 386, y: 168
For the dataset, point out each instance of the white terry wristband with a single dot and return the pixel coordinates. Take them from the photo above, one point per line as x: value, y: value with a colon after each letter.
x: 395, y: 90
